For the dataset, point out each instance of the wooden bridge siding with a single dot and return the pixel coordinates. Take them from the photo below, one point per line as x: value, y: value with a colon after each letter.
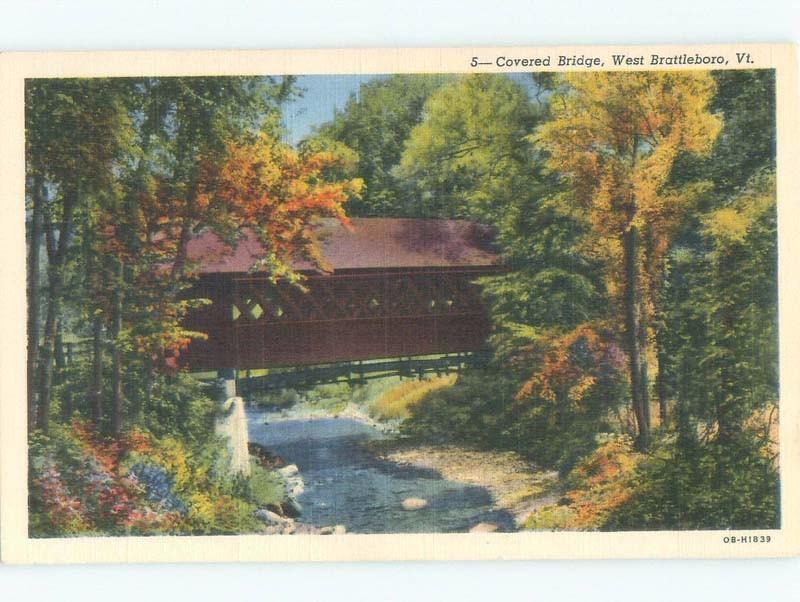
x: 337, y: 320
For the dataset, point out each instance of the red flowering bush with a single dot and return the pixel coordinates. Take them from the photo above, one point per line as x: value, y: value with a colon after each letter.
x: 76, y: 486
x: 84, y: 484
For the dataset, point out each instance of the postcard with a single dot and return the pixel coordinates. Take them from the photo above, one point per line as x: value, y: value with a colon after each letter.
x: 399, y: 304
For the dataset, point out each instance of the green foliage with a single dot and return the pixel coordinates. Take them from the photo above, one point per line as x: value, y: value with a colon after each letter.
x: 375, y: 124
x: 104, y: 151
x: 283, y: 398
x: 551, y: 283
x: 180, y: 406
x: 471, y: 157
x: 721, y: 347
x: 721, y: 343
x: 265, y: 487
x: 397, y: 403
x: 550, y: 518
x: 704, y: 486
x: 165, y: 405
x: 746, y: 145
x: 471, y: 411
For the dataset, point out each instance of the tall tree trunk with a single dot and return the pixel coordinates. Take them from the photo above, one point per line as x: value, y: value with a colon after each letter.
x: 181, y: 253
x: 636, y: 335
x: 61, y: 360
x: 46, y: 361
x: 96, y: 392
x: 57, y: 255
x: 661, y: 386
x: 61, y: 370
x: 117, y: 406
x: 34, y: 294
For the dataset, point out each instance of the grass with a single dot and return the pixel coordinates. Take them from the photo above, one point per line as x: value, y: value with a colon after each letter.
x: 601, y: 483
x: 396, y: 403
x: 266, y: 486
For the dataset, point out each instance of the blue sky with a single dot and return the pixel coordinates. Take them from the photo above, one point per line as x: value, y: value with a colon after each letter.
x: 323, y: 95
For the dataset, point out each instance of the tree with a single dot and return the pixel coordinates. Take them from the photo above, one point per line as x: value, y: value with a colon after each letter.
x: 258, y: 184
x: 744, y: 148
x: 76, y: 130
x: 470, y: 156
x: 375, y: 124
x: 182, y: 124
x: 615, y: 137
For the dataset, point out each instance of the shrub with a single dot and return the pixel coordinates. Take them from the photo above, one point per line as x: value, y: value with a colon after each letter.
x: 597, y: 487
x: 396, y: 403
x: 732, y: 485
x: 265, y: 486
x: 76, y: 487
x: 81, y: 484
x: 472, y: 411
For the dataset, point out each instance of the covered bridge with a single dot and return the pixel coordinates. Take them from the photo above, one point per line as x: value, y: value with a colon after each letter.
x: 396, y: 288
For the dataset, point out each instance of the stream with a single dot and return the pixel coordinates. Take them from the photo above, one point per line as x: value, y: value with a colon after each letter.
x: 345, y: 484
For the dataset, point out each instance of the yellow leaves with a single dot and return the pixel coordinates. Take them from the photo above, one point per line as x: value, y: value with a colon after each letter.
x: 171, y: 454
x: 579, y: 389
x: 615, y: 137
x: 201, y: 508
x: 397, y: 402
x: 730, y: 225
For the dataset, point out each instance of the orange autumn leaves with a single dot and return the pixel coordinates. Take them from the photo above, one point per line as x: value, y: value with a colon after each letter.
x: 571, y: 365
x: 258, y: 183
x: 597, y: 487
x: 278, y: 192
x: 261, y: 184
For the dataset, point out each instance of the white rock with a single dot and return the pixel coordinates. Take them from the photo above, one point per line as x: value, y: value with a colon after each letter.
x: 288, y: 470
x: 326, y: 531
x: 269, y: 517
x: 414, y: 503
x: 484, y: 528
x: 339, y: 530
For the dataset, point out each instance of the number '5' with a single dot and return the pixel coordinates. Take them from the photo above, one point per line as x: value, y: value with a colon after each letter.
x: 474, y: 62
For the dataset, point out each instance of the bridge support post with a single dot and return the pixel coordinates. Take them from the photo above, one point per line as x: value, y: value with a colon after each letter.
x: 231, y: 423
x: 228, y: 378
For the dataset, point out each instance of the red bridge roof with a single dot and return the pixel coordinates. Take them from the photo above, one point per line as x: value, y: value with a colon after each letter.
x: 367, y: 243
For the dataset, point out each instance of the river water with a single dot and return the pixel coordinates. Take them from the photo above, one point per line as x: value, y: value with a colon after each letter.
x: 347, y: 485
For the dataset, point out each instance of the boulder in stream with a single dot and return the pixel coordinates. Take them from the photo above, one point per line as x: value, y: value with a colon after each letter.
x: 269, y: 517
x: 484, y: 528
x: 289, y: 470
x: 264, y: 457
x: 414, y: 503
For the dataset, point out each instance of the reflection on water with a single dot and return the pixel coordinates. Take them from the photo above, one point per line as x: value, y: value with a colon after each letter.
x: 345, y: 484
